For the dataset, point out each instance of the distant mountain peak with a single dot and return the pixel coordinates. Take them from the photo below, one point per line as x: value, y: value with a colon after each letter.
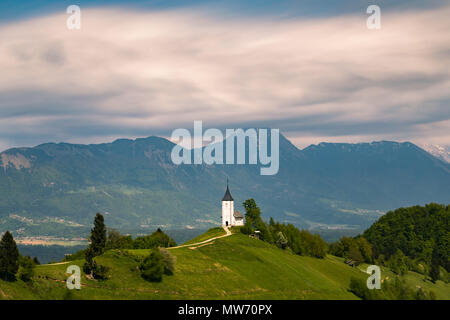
x: 357, y: 145
x: 440, y: 152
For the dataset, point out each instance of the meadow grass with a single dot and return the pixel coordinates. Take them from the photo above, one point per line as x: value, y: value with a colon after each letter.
x: 234, y: 267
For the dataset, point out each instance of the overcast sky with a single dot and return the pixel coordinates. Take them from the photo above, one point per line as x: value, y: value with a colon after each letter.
x: 148, y: 67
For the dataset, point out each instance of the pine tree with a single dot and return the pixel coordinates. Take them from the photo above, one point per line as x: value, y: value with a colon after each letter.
x: 9, y: 257
x: 97, y: 245
x: 98, y: 235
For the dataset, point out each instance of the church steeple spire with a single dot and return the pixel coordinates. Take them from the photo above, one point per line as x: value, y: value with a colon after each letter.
x: 227, y: 196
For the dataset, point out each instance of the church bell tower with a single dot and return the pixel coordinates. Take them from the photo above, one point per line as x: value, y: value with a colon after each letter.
x: 227, y: 209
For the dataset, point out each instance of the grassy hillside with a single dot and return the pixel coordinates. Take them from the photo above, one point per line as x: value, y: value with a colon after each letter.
x: 235, y: 267
x: 211, y: 233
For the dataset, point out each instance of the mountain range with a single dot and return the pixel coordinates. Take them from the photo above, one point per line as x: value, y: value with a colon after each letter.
x: 56, y: 189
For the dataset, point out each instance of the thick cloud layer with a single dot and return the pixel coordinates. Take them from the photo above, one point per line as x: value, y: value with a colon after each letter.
x: 130, y: 73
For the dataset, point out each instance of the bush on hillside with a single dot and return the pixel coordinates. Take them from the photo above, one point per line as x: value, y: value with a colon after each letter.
x: 156, y: 239
x: 357, y: 249
x: 390, y: 290
x: 26, y: 269
x: 96, y: 271
x: 168, y: 261
x: 115, y: 240
x: 301, y: 242
x: 247, y: 228
x: 152, y: 268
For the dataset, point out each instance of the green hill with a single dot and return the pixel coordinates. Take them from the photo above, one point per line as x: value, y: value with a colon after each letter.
x: 417, y: 231
x: 234, y: 267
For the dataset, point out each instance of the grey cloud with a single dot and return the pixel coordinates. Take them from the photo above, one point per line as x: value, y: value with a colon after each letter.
x: 156, y: 71
x: 54, y: 53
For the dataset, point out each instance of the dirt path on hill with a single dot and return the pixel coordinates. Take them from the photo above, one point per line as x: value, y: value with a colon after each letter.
x: 228, y: 233
x: 55, y: 264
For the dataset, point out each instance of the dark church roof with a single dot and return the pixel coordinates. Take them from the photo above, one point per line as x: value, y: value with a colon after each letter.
x: 227, y: 196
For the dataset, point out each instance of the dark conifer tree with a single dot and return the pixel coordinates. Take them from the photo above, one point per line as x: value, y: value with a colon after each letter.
x: 98, y: 235
x: 9, y: 257
x: 97, y: 245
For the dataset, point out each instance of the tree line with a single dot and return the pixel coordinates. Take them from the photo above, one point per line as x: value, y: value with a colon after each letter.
x: 152, y: 267
x: 406, y: 239
x: 284, y: 236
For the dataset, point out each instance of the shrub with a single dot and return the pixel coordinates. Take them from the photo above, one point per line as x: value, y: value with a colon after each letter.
x: 97, y: 271
x: 357, y: 249
x: 152, y: 268
x: 100, y: 272
x: 391, y: 290
x: 116, y: 240
x: 169, y: 262
x: 300, y: 242
x: 156, y: 239
x: 359, y: 288
x: 247, y: 227
x: 26, y: 269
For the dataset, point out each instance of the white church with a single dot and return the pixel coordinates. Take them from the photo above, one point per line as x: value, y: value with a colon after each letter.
x: 230, y: 217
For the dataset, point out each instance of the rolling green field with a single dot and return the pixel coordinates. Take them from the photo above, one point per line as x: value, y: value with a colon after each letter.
x: 234, y: 267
